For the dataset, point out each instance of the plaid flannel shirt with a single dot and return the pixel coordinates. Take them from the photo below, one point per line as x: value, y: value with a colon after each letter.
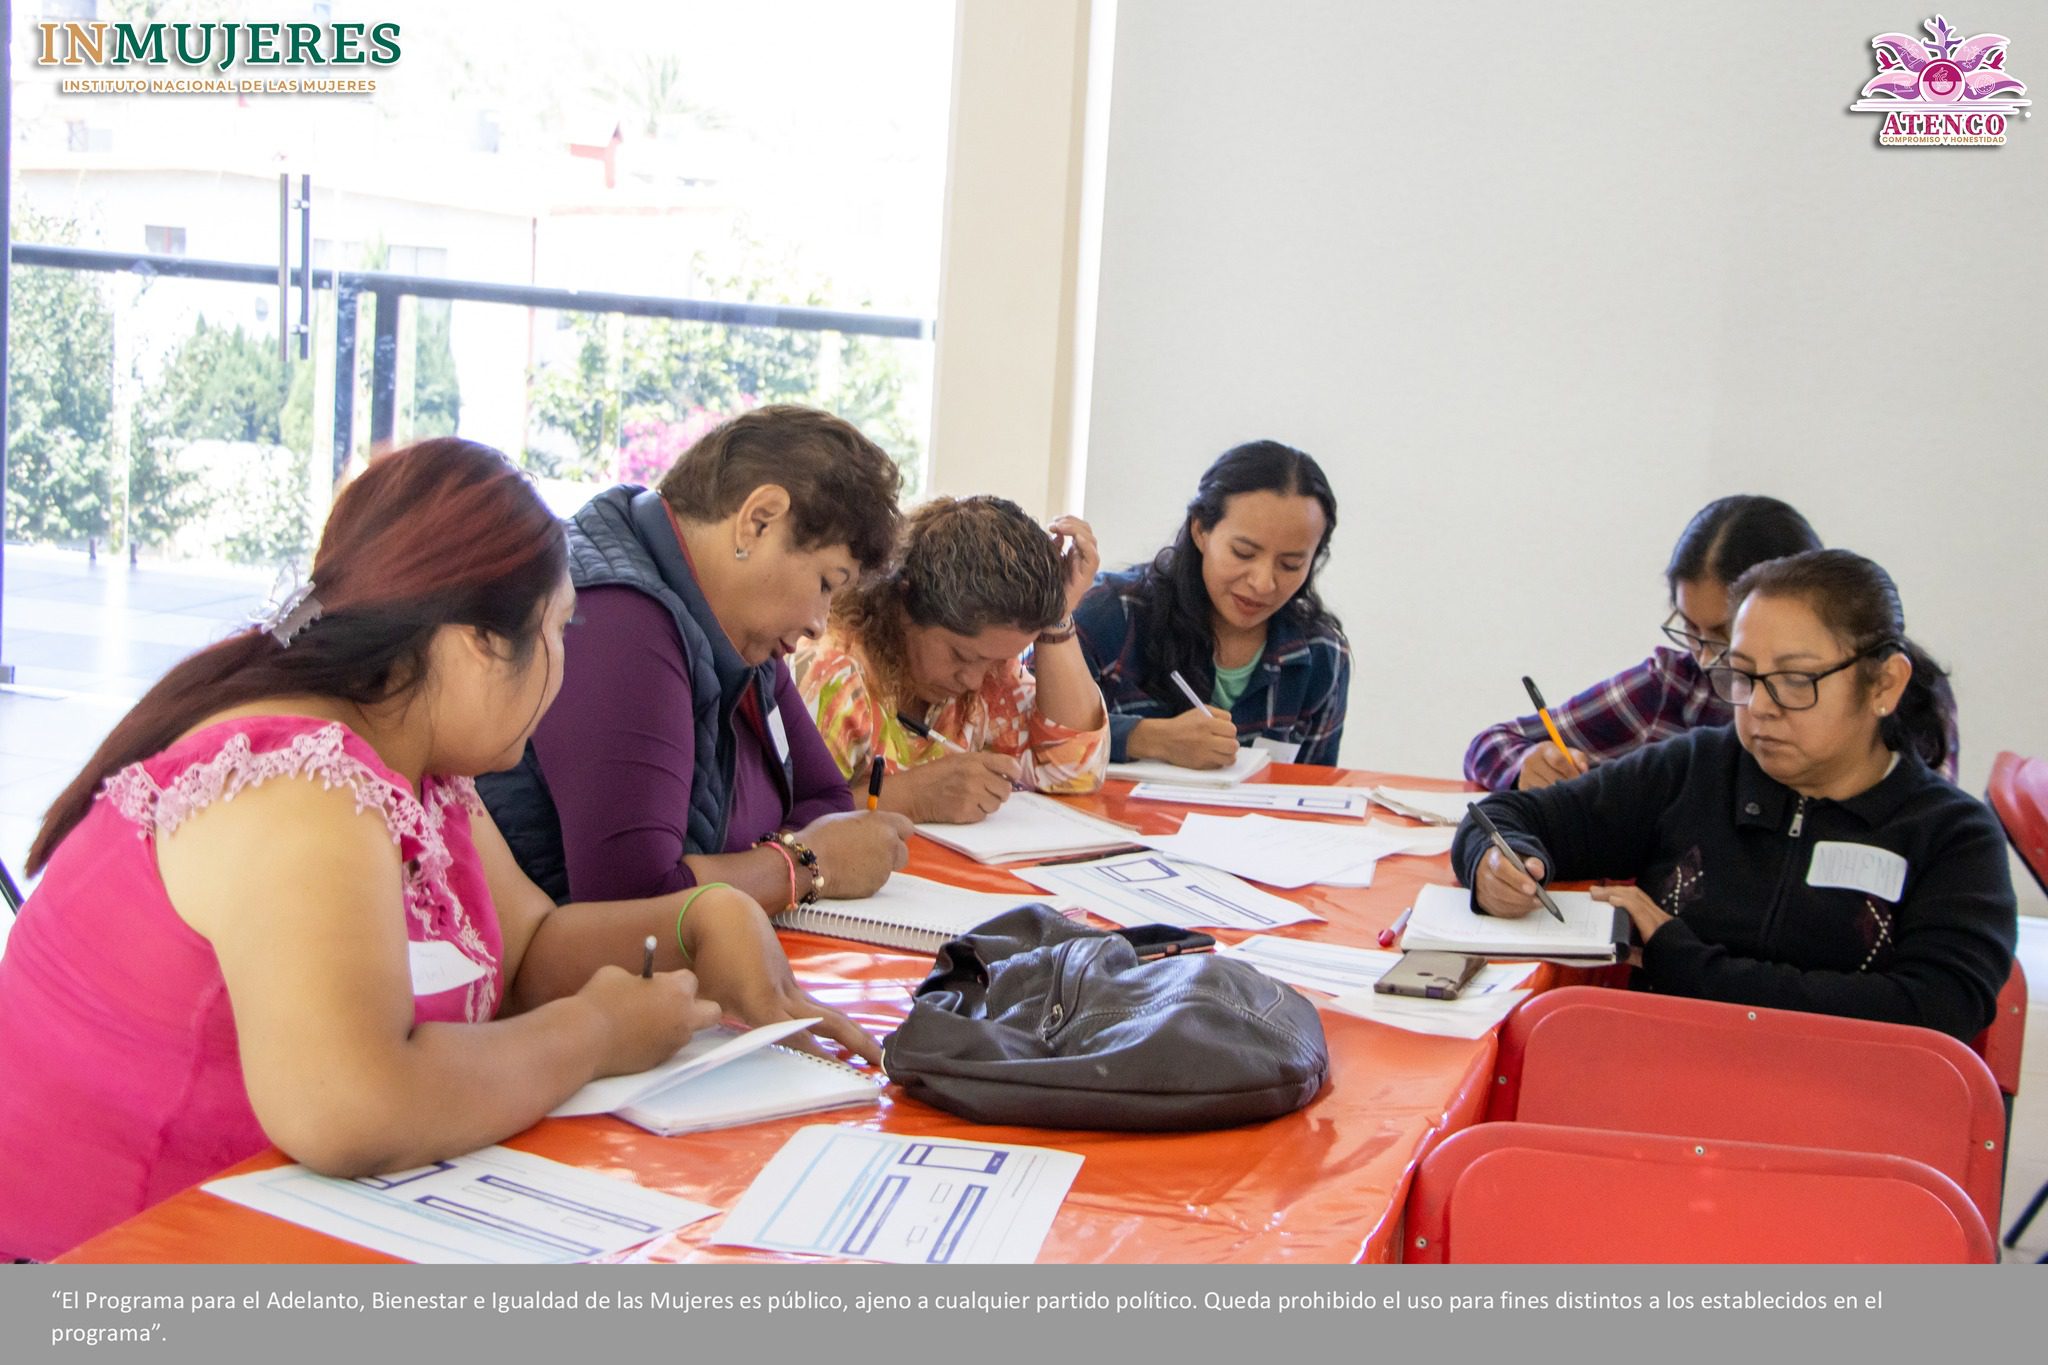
x: 1297, y: 694
x: 1666, y: 694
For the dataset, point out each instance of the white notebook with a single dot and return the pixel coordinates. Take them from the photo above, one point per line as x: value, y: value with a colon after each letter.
x: 1030, y: 826
x: 908, y: 912
x: 772, y: 1083
x: 1443, y: 920
x: 1248, y: 764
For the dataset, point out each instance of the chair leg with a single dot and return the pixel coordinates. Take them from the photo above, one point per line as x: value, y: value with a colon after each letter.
x: 2019, y: 1229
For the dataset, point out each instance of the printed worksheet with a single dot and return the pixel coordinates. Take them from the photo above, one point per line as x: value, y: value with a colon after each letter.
x: 1336, y: 803
x: 1294, y: 853
x: 1152, y: 888
x: 903, y: 1199
x: 492, y: 1207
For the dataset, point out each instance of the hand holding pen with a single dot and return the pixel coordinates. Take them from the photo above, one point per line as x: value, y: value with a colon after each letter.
x: 1505, y: 883
x: 962, y: 787
x: 1199, y: 737
x: 1545, y: 764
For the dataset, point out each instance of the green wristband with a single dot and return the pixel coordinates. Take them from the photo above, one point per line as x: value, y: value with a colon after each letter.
x: 689, y: 901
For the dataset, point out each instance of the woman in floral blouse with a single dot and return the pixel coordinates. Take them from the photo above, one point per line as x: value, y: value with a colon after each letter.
x: 922, y: 664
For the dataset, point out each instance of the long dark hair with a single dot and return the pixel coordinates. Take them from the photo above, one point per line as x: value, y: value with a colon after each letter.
x: 1182, y: 632
x: 1857, y: 601
x: 1731, y: 535
x: 442, y: 533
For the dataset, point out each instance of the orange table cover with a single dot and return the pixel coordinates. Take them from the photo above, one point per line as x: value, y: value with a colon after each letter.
x: 1325, y: 1184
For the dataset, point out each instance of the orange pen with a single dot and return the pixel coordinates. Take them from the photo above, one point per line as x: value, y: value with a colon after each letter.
x: 1551, y: 725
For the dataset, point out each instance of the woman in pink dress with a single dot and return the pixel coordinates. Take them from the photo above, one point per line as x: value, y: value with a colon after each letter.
x: 273, y: 911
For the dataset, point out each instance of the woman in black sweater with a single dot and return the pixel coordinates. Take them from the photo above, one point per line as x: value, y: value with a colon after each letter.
x: 1810, y: 856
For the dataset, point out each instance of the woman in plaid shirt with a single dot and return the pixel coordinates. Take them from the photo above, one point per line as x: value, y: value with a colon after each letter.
x: 1666, y: 694
x: 1231, y: 606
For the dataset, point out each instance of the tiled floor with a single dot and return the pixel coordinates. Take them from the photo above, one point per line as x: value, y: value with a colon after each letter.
x: 110, y: 631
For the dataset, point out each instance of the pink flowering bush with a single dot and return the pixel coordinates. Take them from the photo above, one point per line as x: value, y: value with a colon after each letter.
x: 651, y: 447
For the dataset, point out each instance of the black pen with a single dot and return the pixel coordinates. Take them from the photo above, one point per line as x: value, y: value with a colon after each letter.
x: 875, y: 783
x: 647, y: 961
x: 1507, y: 850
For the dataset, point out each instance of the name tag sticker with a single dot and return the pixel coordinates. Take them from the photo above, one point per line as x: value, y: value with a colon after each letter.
x: 778, y: 734
x: 1282, y: 751
x: 438, y: 965
x: 1858, y: 867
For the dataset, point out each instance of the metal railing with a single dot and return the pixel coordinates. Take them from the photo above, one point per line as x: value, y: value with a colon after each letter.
x: 386, y: 288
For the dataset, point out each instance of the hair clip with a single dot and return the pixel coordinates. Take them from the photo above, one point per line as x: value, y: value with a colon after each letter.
x: 289, y: 613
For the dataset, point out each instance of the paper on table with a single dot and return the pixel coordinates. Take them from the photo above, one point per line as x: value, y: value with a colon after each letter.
x: 1436, y: 808
x: 1332, y: 968
x: 1029, y: 826
x: 1149, y: 888
x: 903, y: 1199
x: 493, y: 1207
x: 705, y: 1051
x: 1469, y: 1016
x: 1443, y: 919
x: 1292, y: 853
x: 1248, y: 764
x: 1328, y: 802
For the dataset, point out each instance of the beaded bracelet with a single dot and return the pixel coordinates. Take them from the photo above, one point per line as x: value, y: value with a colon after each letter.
x: 688, y: 901
x: 1059, y: 632
x: 798, y: 854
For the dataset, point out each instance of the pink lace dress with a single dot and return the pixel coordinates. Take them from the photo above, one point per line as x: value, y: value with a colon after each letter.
x: 120, y: 1081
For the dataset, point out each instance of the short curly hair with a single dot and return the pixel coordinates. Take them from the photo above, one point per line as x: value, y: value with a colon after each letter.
x: 842, y: 486
x: 964, y: 565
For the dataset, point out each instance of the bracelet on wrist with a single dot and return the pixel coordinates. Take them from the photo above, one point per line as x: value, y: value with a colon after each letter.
x: 798, y: 854
x: 689, y: 900
x: 1059, y: 632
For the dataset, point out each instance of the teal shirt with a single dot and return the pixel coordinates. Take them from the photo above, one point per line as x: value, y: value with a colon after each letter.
x: 1231, y: 682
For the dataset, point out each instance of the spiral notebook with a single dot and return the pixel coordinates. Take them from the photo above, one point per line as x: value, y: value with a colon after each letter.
x: 772, y: 1083
x: 908, y: 912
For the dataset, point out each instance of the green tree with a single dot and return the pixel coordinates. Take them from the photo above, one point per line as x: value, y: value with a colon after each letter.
x: 60, y: 371
x: 436, y: 391
x: 220, y: 384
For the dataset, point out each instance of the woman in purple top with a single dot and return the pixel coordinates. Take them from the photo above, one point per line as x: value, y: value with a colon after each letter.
x: 680, y: 752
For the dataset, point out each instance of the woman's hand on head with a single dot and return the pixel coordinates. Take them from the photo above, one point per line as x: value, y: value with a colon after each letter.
x: 647, y: 1018
x: 1081, y: 560
x: 1505, y: 890
x: 857, y: 850
x: 740, y: 962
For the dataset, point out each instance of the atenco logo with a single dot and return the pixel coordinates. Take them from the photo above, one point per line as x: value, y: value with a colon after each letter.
x: 1948, y: 91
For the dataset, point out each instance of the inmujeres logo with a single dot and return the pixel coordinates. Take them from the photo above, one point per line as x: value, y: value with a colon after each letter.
x: 1951, y: 91
x: 190, y: 58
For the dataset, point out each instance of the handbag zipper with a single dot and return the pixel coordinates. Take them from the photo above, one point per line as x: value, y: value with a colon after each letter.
x: 1057, y: 1014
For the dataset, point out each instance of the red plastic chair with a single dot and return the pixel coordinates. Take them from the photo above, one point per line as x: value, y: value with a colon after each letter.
x: 1625, y: 1061
x: 1528, y: 1193
x: 2005, y: 1038
x: 2019, y: 794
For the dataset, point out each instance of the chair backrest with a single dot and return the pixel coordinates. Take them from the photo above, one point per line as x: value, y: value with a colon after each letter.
x: 2004, y: 1040
x: 1626, y: 1061
x: 2018, y: 793
x: 1527, y: 1193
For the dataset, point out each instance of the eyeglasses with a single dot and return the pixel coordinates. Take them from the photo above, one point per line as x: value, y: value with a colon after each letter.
x: 1699, y: 646
x: 1791, y: 689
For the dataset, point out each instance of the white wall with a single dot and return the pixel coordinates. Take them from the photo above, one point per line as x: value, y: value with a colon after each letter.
x: 1533, y: 283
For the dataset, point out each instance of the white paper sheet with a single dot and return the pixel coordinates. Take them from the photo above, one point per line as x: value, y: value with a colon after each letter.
x: 1150, y: 888
x: 903, y: 1199
x: 1029, y: 825
x: 1349, y: 975
x: 1469, y: 1016
x: 1438, y: 808
x: 493, y: 1207
x: 704, y: 1052
x: 1335, y: 803
x: 1332, y: 968
x: 1248, y: 764
x: 1293, y: 853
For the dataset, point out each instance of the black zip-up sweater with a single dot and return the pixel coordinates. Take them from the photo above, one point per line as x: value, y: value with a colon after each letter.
x: 1727, y: 849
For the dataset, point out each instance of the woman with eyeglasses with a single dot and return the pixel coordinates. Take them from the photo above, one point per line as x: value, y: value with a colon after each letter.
x: 1810, y: 856
x: 1667, y: 693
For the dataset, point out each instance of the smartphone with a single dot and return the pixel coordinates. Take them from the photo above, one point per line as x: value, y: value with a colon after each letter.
x: 1166, y: 940
x: 1432, y: 976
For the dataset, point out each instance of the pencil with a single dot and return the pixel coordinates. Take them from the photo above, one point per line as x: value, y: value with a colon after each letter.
x: 1551, y: 725
x: 1188, y: 692
x: 647, y: 959
x: 875, y: 783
